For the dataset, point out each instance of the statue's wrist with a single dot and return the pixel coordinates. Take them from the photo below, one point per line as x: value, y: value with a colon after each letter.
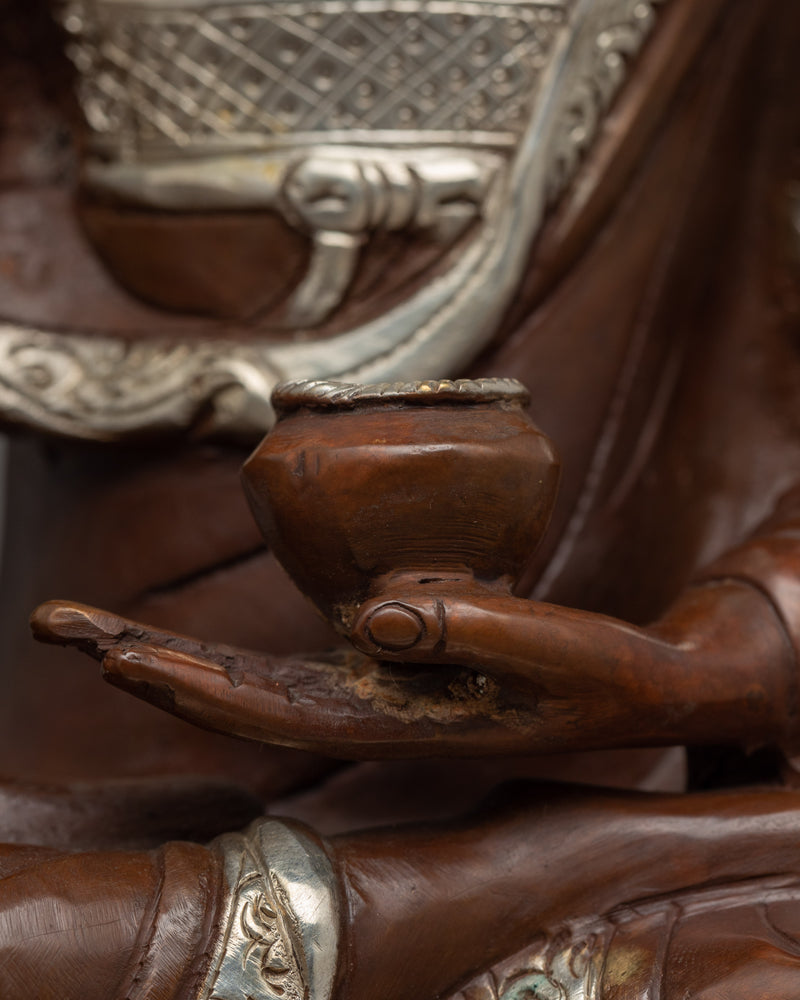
x: 278, y: 932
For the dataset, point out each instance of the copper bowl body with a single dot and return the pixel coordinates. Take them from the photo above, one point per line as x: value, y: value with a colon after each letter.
x: 352, y: 491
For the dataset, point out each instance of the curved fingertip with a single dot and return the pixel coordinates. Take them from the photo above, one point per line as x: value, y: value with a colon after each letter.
x: 65, y: 623
x: 137, y: 673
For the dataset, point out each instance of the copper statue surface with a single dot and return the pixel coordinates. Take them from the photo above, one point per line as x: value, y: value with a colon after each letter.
x: 506, y: 707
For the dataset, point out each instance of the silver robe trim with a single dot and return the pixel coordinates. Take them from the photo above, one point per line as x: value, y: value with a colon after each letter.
x: 102, y: 388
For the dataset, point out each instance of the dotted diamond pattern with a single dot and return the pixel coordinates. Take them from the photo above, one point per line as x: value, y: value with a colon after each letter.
x: 186, y: 76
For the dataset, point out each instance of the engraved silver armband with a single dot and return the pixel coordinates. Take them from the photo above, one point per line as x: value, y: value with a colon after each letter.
x: 280, y: 927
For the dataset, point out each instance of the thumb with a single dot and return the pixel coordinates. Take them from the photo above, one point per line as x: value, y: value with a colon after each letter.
x: 491, y: 633
x: 541, y: 646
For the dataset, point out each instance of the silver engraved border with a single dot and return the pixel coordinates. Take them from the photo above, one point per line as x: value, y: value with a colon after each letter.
x: 103, y: 388
x: 280, y: 924
x: 572, y: 961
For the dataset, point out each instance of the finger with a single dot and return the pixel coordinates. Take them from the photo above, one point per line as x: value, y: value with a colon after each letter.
x: 66, y: 623
x: 348, y: 707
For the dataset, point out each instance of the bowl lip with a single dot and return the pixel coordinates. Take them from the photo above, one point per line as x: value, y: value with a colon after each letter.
x: 326, y: 395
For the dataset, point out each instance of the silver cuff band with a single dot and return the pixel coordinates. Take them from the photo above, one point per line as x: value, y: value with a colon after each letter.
x: 280, y: 926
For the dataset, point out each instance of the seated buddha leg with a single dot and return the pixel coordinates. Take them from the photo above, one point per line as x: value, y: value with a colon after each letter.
x: 543, y: 888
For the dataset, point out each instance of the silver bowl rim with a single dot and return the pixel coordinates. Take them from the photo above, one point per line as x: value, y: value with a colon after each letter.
x: 326, y: 395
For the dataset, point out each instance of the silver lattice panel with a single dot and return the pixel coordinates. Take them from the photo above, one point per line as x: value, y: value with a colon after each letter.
x: 246, y: 72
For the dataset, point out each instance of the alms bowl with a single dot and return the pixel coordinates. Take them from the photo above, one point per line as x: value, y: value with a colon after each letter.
x: 356, y: 484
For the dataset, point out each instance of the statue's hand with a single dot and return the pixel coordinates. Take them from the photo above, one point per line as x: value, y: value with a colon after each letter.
x: 715, y: 668
x: 342, y: 703
x: 483, y: 676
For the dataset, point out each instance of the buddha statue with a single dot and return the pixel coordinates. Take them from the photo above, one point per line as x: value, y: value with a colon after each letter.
x: 383, y: 207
